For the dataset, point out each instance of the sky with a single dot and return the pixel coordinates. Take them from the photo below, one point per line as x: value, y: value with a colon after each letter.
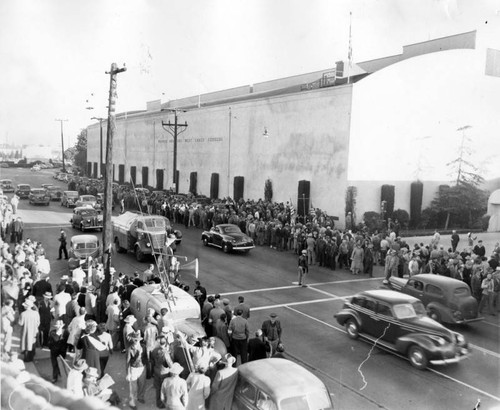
x: 54, y: 53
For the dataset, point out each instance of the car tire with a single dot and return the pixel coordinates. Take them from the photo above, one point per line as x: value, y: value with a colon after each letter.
x: 225, y: 248
x: 417, y: 357
x: 119, y: 249
x: 205, y: 241
x: 352, y: 328
x: 139, y: 254
x: 434, y: 314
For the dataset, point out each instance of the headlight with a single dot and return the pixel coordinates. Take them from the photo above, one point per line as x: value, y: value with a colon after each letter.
x: 233, y: 240
x: 460, y: 338
x: 88, y: 220
x: 438, y: 340
x: 148, y: 244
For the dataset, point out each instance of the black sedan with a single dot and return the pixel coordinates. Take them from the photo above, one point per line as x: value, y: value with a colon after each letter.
x: 399, y: 323
x: 39, y: 196
x: 85, y: 218
x: 23, y: 191
x: 227, y: 237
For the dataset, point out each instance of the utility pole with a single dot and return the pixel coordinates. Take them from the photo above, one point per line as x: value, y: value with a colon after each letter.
x: 100, y: 146
x: 173, y: 130
x: 62, y: 144
x: 108, y: 189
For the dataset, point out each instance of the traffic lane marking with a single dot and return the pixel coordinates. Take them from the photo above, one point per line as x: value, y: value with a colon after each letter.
x: 399, y: 355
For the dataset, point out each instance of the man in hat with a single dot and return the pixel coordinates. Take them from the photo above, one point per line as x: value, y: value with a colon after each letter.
x: 74, y: 383
x: 58, y: 345
x: 257, y: 347
x: 62, y: 245
x: 271, y: 329
x: 479, y: 249
x: 174, y: 393
x: 222, y: 389
x: 45, y: 310
x: 161, y: 362
x: 29, y: 322
x: 42, y: 286
x: 128, y: 330
x: 136, y: 370
x: 303, y: 268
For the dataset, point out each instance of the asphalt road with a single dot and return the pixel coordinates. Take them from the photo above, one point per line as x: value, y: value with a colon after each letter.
x: 358, y: 375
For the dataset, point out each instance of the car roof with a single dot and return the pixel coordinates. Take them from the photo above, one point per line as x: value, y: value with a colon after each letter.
x: 226, y: 225
x: 87, y: 196
x: 38, y: 189
x: 390, y: 296
x: 20, y: 185
x: 269, y: 375
x: 71, y: 192
x: 439, y: 280
x: 84, y: 238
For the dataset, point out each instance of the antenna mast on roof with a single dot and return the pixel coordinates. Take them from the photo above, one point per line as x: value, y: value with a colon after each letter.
x: 349, y: 52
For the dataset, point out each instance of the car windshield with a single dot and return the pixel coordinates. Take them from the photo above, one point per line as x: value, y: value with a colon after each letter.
x: 70, y: 195
x: 88, y: 198
x: 88, y: 212
x: 461, y: 291
x: 86, y: 245
x: 231, y: 229
x: 154, y: 223
x: 317, y: 400
x: 404, y: 311
x: 38, y: 191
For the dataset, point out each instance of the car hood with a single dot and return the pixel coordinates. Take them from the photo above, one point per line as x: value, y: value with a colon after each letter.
x: 429, y: 326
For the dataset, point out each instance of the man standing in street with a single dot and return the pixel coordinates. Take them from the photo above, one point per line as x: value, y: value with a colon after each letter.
x: 161, y: 363
x: 271, y: 329
x: 454, y: 240
x: 245, y: 309
x: 222, y: 389
x: 239, y: 333
x: 62, y: 245
x: 303, y: 268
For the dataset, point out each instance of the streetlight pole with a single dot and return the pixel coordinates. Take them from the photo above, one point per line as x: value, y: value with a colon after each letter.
x: 62, y: 144
x: 100, y: 144
x: 173, y: 130
x: 229, y: 154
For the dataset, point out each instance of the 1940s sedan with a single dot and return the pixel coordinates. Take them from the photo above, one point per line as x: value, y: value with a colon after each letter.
x: 446, y: 299
x: 86, y: 218
x: 399, y: 323
x: 227, y: 237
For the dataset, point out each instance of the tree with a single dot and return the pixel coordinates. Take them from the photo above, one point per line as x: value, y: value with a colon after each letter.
x: 464, y: 202
x: 80, y: 158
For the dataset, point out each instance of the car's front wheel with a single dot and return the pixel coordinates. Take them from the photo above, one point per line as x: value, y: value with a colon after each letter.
x: 352, y: 328
x: 139, y: 254
x: 417, y: 357
x: 82, y: 228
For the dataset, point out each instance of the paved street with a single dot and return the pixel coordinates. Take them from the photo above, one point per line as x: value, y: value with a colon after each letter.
x: 358, y: 376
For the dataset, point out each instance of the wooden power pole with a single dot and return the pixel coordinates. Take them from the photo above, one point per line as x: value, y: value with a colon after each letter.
x: 107, y: 235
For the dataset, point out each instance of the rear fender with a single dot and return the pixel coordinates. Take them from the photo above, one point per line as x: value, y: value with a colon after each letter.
x: 444, y: 311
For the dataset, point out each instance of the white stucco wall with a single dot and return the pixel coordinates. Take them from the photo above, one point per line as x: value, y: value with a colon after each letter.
x: 308, y: 140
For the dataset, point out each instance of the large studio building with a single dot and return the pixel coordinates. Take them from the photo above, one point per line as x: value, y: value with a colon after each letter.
x: 314, y: 135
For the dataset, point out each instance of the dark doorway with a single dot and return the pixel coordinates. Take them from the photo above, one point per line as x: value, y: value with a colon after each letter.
x: 133, y: 175
x: 239, y: 186
x: 121, y: 174
x: 159, y: 179
x: 214, y: 186
x: 303, y: 198
x: 145, y: 176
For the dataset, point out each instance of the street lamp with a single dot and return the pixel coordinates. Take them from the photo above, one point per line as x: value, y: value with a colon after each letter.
x: 172, y: 130
x: 100, y: 144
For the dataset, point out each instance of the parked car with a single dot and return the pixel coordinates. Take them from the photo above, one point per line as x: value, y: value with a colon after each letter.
x: 55, y: 193
x: 35, y: 168
x: 69, y: 198
x: 86, y: 218
x: 81, y: 247
x: 45, y: 186
x: 86, y: 200
x: 39, y: 196
x: 399, y: 323
x: 446, y: 299
x: 23, y: 191
x: 6, y: 185
x: 228, y: 237
x: 279, y: 384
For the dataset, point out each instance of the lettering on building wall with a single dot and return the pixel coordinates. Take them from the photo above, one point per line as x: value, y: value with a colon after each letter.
x: 171, y: 141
